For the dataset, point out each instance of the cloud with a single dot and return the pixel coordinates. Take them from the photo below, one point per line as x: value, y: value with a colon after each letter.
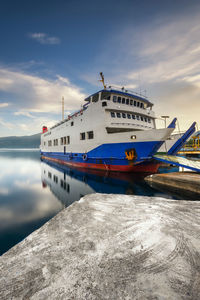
x: 4, y: 191
x: 35, y: 101
x: 166, y: 52
x: 36, y: 94
x: 6, y: 124
x: 195, y: 80
x: 44, y: 38
x: 23, y: 113
x: 24, y: 127
x: 5, y: 104
x: 162, y: 57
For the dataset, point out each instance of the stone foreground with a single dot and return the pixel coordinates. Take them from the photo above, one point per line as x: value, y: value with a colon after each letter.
x: 109, y: 247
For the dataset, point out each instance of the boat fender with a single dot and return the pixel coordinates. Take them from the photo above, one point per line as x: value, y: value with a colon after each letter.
x: 85, y: 157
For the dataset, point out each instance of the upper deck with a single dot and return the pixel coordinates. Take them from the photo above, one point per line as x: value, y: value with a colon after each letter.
x: 129, y: 110
x: 122, y: 97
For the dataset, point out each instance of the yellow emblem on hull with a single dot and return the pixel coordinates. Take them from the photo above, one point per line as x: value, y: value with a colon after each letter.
x: 131, y: 154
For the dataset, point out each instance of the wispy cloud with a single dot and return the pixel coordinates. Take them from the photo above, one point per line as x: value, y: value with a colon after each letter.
x: 36, y: 94
x: 23, y: 113
x: 6, y: 124
x: 169, y: 52
x: 162, y: 57
x: 24, y: 127
x: 4, y: 104
x: 35, y: 101
x: 44, y: 38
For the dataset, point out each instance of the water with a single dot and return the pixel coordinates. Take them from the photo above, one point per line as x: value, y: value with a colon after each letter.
x: 33, y: 191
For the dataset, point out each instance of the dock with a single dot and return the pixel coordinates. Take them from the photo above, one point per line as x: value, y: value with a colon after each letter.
x: 188, y: 182
x: 109, y: 246
x: 193, y: 152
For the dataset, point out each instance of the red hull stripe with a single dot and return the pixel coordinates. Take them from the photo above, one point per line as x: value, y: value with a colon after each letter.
x: 145, y: 168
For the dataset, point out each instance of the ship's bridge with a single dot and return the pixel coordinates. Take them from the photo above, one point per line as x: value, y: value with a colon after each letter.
x: 121, y: 97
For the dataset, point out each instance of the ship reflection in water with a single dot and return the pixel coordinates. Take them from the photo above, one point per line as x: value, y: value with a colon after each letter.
x: 70, y: 184
x: 34, y: 191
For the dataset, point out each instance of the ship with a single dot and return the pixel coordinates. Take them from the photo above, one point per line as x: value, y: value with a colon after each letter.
x: 114, y: 130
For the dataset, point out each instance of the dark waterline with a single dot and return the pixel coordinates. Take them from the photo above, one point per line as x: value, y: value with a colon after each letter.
x: 33, y: 191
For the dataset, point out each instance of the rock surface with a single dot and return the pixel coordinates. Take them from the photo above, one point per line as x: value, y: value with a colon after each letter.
x: 109, y: 247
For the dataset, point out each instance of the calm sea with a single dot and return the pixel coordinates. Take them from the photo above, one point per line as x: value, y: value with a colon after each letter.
x: 33, y: 191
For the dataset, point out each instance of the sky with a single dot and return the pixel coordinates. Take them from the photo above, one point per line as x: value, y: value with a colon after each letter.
x: 50, y: 49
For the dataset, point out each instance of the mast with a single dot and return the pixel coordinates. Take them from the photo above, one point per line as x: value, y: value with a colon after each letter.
x: 102, y: 80
x: 62, y: 108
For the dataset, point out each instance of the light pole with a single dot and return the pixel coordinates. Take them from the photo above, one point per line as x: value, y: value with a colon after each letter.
x: 165, y: 118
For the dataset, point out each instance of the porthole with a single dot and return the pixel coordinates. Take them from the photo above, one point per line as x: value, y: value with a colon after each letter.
x: 133, y: 137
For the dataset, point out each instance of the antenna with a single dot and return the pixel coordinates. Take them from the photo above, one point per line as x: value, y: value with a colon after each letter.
x: 62, y: 108
x: 139, y: 84
x: 102, y: 80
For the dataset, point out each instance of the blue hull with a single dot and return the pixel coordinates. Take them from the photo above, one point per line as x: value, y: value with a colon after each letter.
x: 118, y: 156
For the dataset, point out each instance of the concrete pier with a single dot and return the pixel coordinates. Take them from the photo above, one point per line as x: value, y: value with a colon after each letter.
x: 109, y: 247
x: 177, y: 181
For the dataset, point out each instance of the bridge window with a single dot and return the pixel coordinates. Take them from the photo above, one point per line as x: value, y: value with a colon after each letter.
x: 134, y: 103
x: 127, y: 101
x: 138, y: 104
x: 133, y: 117
x: 142, y: 119
x: 123, y: 100
x: 138, y: 117
x: 128, y: 116
x: 104, y: 103
x: 142, y: 105
x: 145, y: 119
x: 123, y: 115
x: 105, y: 95
x: 112, y: 114
x: 114, y: 98
x: 131, y: 101
x: 119, y: 99
x: 149, y: 120
x: 95, y: 98
x: 118, y: 115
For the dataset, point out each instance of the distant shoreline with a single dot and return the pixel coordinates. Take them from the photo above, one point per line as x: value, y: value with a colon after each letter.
x: 19, y: 149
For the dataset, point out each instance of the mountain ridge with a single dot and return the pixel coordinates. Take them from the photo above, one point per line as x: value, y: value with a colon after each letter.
x: 26, y: 141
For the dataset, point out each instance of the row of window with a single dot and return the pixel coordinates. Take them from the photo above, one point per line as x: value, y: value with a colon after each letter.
x: 66, y: 139
x: 128, y: 101
x: 63, y: 183
x: 105, y: 95
x: 89, y: 135
x: 129, y: 116
x: 63, y: 141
